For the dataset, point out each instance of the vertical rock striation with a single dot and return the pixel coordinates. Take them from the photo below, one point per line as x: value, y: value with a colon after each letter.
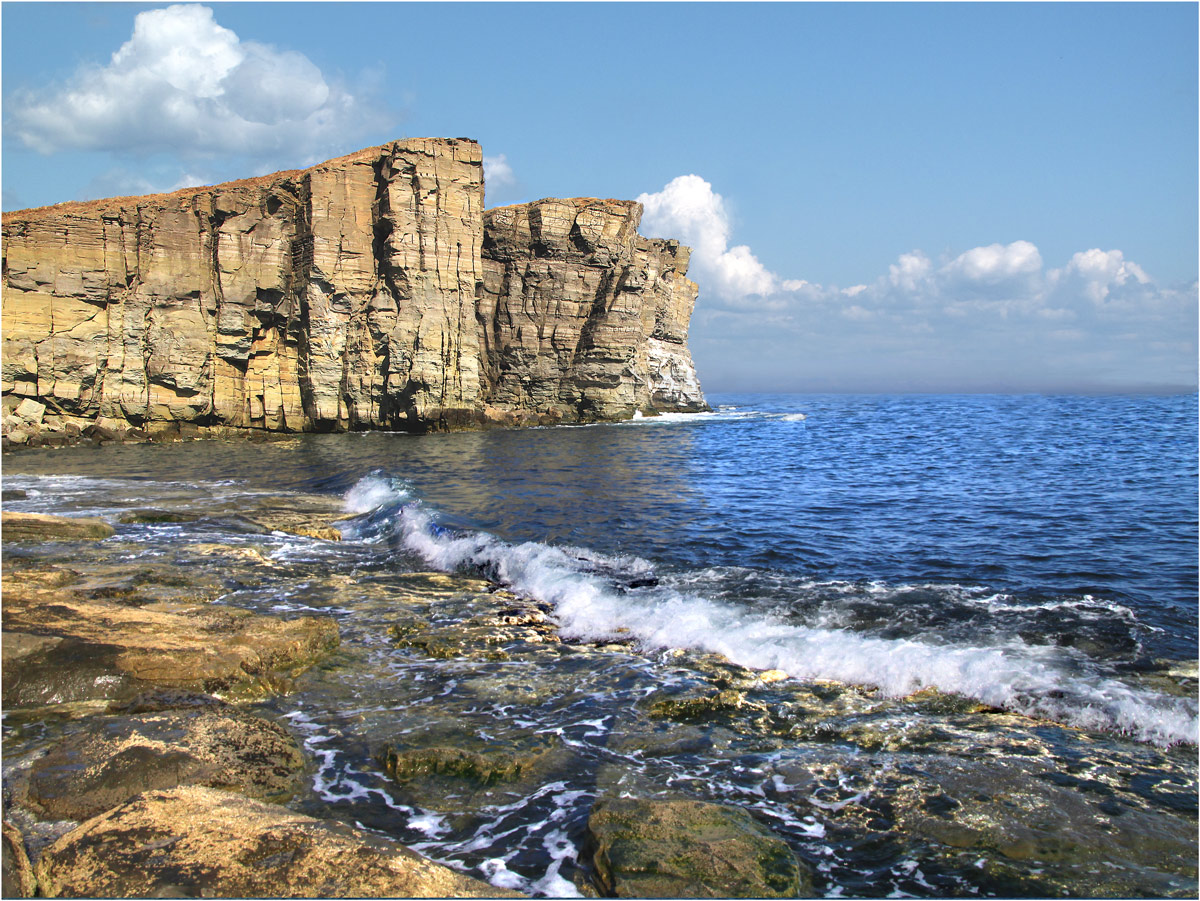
x: 370, y: 291
x: 583, y: 318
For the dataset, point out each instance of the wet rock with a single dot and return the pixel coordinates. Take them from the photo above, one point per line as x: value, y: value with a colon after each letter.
x: 483, y: 636
x: 707, y: 707
x: 689, y: 849
x: 309, y: 516
x: 201, y: 842
x: 1084, y: 837
x: 18, y: 876
x: 484, y: 769
x: 106, y: 649
x: 43, y: 527
x: 173, y: 739
x: 13, y: 494
x: 461, y: 772
x: 154, y: 517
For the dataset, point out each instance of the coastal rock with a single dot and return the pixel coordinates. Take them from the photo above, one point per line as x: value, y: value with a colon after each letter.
x: 172, y: 739
x: 584, y: 318
x: 689, y: 849
x: 370, y: 291
x: 18, y: 877
x: 485, y: 767
x: 67, y: 648
x: 201, y: 842
x: 44, y: 527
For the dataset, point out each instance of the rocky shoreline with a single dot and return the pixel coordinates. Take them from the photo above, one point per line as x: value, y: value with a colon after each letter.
x: 151, y: 770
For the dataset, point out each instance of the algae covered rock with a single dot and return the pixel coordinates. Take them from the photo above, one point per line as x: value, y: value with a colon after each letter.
x: 172, y: 739
x: 44, y: 527
x: 201, y: 842
x: 689, y: 849
x: 482, y: 768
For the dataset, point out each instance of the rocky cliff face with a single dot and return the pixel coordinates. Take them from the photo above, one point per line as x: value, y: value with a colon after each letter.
x: 582, y: 317
x: 371, y: 291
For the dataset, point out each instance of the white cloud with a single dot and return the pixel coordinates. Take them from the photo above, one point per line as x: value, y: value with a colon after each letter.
x: 910, y: 271
x: 183, y: 83
x: 996, y: 263
x: 688, y: 209
x: 497, y: 173
x: 1098, y: 273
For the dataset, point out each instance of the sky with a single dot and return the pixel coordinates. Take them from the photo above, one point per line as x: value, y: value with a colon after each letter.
x: 945, y: 197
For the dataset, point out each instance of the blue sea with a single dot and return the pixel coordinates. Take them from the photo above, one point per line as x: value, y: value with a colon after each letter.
x: 978, y: 614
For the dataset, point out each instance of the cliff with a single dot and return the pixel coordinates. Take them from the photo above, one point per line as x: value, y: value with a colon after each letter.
x: 370, y: 291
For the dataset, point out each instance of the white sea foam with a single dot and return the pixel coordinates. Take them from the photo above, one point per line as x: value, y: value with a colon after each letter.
x: 1035, y: 680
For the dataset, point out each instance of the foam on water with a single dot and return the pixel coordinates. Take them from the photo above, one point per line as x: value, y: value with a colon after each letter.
x: 1038, y: 681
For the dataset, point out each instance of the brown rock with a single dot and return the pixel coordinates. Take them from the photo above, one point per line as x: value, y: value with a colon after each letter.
x: 18, y: 878
x: 369, y: 291
x: 43, y: 527
x: 176, y: 739
x: 77, y: 648
x: 203, y: 842
x: 584, y: 318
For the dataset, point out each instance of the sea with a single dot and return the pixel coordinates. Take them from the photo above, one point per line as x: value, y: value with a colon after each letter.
x: 942, y: 645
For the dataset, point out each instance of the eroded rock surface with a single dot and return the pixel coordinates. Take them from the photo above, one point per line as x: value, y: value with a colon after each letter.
x: 584, y: 318
x: 167, y: 739
x: 201, y: 842
x: 370, y: 291
x: 59, y: 646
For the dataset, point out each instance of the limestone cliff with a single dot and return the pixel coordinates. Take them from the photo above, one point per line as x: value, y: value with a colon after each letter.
x: 584, y: 318
x: 370, y: 291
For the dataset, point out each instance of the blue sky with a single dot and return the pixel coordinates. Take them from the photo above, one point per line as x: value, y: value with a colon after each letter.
x: 932, y: 197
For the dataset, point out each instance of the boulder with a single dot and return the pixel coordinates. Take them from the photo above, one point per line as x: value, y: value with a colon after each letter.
x: 689, y: 849
x: 202, y: 842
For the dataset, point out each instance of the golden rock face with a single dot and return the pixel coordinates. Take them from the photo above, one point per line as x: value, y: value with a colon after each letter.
x: 370, y: 291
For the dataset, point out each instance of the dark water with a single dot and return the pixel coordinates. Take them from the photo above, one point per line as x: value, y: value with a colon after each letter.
x: 1036, y: 555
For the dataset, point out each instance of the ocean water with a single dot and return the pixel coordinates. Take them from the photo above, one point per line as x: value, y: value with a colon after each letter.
x: 985, y: 608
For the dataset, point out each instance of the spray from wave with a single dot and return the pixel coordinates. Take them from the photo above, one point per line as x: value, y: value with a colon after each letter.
x: 600, y: 597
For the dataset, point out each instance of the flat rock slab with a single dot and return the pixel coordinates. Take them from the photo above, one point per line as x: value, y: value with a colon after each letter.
x: 43, y: 527
x: 201, y: 842
x: 689, y: 849
x: 193, y: 740
x: 67, y: 648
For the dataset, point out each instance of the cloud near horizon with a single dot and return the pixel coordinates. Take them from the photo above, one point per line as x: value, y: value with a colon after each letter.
x: 1098, y: 318
x: 184, y: 84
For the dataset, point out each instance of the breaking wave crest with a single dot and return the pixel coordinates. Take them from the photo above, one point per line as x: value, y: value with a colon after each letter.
x: 599, y: 597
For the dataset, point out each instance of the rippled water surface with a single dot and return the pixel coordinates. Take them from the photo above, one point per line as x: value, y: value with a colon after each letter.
x: 985, y: 608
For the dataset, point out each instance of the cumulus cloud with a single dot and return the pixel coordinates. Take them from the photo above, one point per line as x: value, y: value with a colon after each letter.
x: 183, y: 83
x: 1098, y: 274
x: 688, y: 209
x: 497, y: 173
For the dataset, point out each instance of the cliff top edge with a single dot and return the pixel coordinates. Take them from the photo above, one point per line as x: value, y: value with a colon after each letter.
x: 103, y: 203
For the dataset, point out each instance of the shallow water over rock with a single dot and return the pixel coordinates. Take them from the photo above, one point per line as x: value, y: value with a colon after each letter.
x: 467, y: 713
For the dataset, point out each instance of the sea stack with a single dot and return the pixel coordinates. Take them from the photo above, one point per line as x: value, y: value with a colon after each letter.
x: 368, y: 292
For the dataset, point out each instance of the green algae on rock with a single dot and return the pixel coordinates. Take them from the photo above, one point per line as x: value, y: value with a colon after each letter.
x: 689, y: 849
